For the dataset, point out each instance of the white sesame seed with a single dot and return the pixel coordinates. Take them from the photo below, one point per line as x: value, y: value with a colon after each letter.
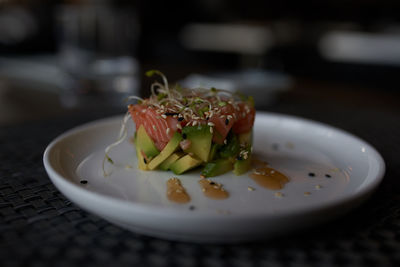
x: 164, y: 116
x: 225, y: 141
x: 210, y: 124
x: 229, y: 117
x: 250, y: 188
x: 168, y: 130
x: 203, y: 189
x: 318, y: 187
x: 194, y: 123
x: 211, y: 130
x: 179, y: 126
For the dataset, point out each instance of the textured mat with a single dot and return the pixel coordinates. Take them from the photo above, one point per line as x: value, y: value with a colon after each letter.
x: 40, y: 227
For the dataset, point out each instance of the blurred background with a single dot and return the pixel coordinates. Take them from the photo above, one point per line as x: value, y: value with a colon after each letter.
x: 69, y: 57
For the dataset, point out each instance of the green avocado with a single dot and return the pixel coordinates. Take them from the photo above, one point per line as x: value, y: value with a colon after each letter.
x: 170, y: 148
x: 200, y: 138
x: 231, y: 149
x: 241, y: 165
x: 184, y: 164
x: 166, y: 164
x: 246, y: 139
x: 217, y: 167
x: 213, y: 152
x: 145, y: 143
x: 142, y: 163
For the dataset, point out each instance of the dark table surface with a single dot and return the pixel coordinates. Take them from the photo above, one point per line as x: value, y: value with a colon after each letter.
x: 40, y: 227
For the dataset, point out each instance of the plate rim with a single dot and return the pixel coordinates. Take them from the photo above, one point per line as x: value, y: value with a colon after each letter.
x: 62, y: 183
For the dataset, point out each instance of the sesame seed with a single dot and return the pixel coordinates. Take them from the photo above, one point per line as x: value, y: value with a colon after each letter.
x: 226, y: 121
x: 318, y: 187
x: 216, y: 186
x: 178, y: 191
x: 229, y: 116
x: 210, y: 124
x: 180, y: 119
x: 203, y: 189
x: 83, y: 181
x: 328, y: 176
x: 278, y: 194
x: 194, y: 123
x: 250, y: 188
x: 164, y: 116
x: 168, y: 130
x: 211, y: 130
x: 178, y: 125
x: 225, y: 141
x: 202, y: 176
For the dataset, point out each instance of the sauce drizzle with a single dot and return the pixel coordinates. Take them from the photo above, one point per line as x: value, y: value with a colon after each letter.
x: 268, y: 177
x: 213, y: 190
x: 176, y: 192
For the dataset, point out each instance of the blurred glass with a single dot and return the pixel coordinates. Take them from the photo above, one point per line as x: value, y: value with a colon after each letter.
x: 97, y: 44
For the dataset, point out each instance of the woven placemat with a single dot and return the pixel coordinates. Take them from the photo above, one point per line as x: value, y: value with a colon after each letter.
x: 40, y: 227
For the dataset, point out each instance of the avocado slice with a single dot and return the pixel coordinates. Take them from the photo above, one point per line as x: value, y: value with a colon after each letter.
x: 142, y: 164
x: 200, y: 138
x: 241, y: 165
x: 231, y: 149
x: 213, y: 151
x: 246, y: 139
x: 145, y: 143
x: 184, y: 164
x: 217, y: 167
x: 166, y: 164
x: 170, y: 148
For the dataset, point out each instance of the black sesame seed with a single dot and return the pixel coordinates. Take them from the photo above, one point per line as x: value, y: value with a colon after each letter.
x: 83, y: 182
x: 184, y: 136
x: 192, y: 207
x: 226, y: 121
x: 145, y: 161
x: 207, y: 118
x: 212, y: 183
x: 180, y: 119
x: 311, y: 174
x: 328, y: 176
x: 170, y: 113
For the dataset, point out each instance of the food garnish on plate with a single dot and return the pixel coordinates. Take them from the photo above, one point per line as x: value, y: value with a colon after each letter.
x: 179, y: 129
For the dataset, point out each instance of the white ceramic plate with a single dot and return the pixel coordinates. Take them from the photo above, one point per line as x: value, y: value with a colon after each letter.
x: 346, y: 171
